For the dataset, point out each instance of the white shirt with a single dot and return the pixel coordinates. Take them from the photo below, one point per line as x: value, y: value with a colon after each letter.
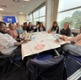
x: 7, y: 44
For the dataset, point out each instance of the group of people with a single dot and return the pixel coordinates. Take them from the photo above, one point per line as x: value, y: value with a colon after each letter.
x: 16, y: 30
x: 8, y: 43
x: 33, y: 28
x: 64, y: 31
x: 9, y: 38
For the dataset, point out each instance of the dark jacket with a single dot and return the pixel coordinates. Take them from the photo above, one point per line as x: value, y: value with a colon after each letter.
x: 55, y: 29
x: 43, y: 28
x: 25, y: 28
x: 52, y: 69
x: 30, y: 28
x: 66, y: 32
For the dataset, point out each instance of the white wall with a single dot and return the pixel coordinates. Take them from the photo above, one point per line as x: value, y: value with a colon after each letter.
x: 51, y: 12
x: 21, y: 18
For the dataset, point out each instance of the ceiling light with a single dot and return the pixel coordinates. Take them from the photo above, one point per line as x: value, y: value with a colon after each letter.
x: 21, y: 13
x: 1, y: 9
x: 26, y: 0
x: 22, y: 6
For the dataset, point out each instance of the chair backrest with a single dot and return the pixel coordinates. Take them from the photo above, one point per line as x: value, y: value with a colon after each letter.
x: 10, y: 57
x: 52, y: 69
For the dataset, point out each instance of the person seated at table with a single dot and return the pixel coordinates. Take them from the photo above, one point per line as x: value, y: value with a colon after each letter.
x: 37, y: 26
x: 12, y: 32
x: 8, y: 45
x: 19, y: 28
x: 25, y: 26
x: 30, y: 27
x: 55, y: 27
x: 75, y: 48
x: 41, y: 27
x: 66, y: 30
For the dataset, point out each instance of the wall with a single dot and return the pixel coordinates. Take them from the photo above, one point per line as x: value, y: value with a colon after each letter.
x: 21, y: 18
x: 51, y: 12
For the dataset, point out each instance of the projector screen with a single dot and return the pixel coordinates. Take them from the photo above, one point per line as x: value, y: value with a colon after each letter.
x: 9, y: 19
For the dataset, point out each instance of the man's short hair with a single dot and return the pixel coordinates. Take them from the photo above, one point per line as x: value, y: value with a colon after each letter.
x: 1, y: 23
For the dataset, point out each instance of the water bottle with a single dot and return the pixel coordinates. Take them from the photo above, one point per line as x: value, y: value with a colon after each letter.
x: 32, y: 37
x: 56, y: 36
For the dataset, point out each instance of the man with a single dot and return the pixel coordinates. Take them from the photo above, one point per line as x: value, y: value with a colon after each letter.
x: 74, y: 49
x: 12, y: 32
x: 8, y: 45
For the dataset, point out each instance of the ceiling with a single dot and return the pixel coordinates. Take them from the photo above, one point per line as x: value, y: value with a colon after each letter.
x: 10, y: 6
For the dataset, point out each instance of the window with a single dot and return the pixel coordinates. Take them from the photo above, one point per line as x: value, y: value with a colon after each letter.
x: 35, y: 20
x: 42, y: 19
x: 39, y: 15
x: 69, y: 11
x: 36, y: 14
x: 30, y: 18
x: 42, y: 11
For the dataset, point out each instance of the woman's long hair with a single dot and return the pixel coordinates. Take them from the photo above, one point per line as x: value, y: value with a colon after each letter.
x: 54, y: 23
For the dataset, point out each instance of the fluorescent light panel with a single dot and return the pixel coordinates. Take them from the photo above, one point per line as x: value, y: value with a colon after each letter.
x: 21, y: 13
x: 26, y: 0
x: 1, y: 9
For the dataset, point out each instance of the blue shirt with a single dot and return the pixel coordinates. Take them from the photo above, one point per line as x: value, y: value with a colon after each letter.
x: 19, y: 30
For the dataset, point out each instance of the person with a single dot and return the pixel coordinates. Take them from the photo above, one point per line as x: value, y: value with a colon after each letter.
x: 30, y: 27
x: 19, y: 28
x: 75, y: 48
x: 8, y: 45
x: 12, y: 31
x: 41, y: 27
x: 25, y: 26
x: 55, y: 27
x: 66, y: 30
x: 37, y: 26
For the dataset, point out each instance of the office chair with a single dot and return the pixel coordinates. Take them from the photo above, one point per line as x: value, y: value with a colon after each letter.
x: 49, y: 69
x: 11, y: 58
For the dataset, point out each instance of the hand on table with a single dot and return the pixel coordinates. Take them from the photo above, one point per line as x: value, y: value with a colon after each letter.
x: 49, y: 31
x: 64, y: 38
x: 25, y: 41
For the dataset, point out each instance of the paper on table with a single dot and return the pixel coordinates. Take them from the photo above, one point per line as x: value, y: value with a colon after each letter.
x: 33, y: 45
x: 40, y: 38
x: 53, y: 44
x: 64, y: 42
x: 26, y: 51
x: 39, y: 46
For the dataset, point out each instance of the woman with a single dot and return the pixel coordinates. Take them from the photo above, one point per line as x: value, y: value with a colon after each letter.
x: 41, y: 27
x: 19, y: 28
x: 37, y: 26
x: 30, y: 27
x: 55, y: 27
x: 66, y: 30
x: 12, y: 31
x: 25, y: 26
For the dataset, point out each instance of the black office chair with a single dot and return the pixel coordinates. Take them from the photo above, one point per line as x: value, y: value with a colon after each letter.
x: 51, y: 69
x: 9, y: 59
x: 5, y: 58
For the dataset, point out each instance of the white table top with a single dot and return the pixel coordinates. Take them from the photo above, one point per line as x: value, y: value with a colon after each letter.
x: 40, y: 38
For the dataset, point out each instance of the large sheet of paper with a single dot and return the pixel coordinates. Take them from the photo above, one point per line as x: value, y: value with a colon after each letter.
x: 35, y: 46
